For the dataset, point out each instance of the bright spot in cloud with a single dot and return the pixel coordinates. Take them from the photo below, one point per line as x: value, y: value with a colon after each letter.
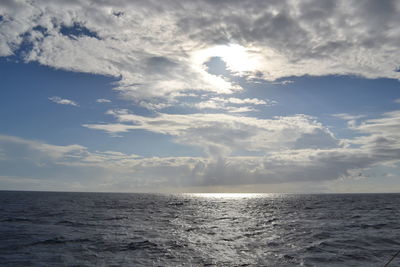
x: 237, y: 58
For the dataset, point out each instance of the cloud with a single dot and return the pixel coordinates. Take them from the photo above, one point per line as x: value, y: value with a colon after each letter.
x: 111, y: 127
x: 294, y: 149
x: 41, y: 148
x: 348, y: 117
x: 40, y: 153
x: 232, y: 104
x: 388, y: 124
x: 157, y: 49
x: 62, y: 101
x: 284, y: 82
x: 309, y: 153
x: 221, y: 134
x: 381, y: 136
x: 103, y: 100
x: 77, y: 168
x: 253, y: 101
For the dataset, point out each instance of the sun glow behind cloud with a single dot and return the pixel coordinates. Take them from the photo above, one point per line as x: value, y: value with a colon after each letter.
x: 238, y: 59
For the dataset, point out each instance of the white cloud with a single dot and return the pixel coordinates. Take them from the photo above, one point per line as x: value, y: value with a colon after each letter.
x: 63, y: 101
x: 240, y: 101
x: 387, y: 124
x: 77, y: 168
x: 220, y: 134
x: 284, y: 82
x: 154, y: 47
x: 103, y: 100
x: 381, y: 136
x: 309, y: 153
x: 158, y: 50
x: 232, y: 104
x: 51, y: 151
x: 240, y: 109
x: 111, y: 127
x: 293, y: 148
x: 349, y: 117
x: 19, y: 149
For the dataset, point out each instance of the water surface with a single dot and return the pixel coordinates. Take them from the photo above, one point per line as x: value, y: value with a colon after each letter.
x: 107, y: 229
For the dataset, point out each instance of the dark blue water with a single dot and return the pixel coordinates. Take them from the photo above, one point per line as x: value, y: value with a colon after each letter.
x: 103, y: 229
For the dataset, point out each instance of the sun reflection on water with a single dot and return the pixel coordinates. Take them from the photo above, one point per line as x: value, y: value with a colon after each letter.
x: 228, y: 195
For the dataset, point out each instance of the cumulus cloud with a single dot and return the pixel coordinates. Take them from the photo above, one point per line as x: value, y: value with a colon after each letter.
x: 158, y: 49
x: 63, y: 101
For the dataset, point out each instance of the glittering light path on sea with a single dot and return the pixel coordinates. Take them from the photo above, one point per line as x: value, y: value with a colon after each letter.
x: 90, y: 229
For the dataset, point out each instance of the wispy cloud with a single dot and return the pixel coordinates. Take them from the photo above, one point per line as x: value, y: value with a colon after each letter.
x: 220, y: 134
x: 63, y: 101
x: 345, y: 116
x: 103, y: 100
x: 232, y: 104
x: 284, y: 82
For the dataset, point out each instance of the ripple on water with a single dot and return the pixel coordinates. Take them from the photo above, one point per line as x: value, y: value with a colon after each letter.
x: 50, y: 229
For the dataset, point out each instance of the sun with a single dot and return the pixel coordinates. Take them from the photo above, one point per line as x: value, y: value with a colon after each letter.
x: 237, y: 58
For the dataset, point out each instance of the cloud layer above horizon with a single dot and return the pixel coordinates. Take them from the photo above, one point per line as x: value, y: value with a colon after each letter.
x: 314, y: 155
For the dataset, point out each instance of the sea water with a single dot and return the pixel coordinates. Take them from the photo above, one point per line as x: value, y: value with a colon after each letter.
x: 111, y: 229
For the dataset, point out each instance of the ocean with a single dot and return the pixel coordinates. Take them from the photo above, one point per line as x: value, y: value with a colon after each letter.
x: 118, y: 229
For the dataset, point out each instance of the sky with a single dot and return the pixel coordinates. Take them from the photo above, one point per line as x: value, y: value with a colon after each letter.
x: 200, y: 96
